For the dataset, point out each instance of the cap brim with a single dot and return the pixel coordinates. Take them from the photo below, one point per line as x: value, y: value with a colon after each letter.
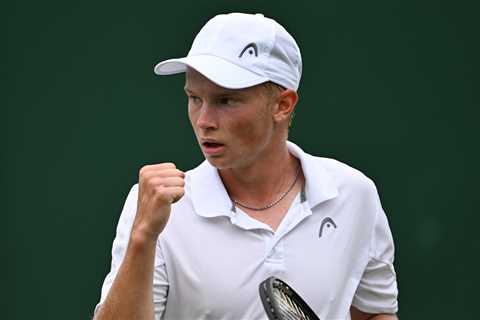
x: 217, y: 70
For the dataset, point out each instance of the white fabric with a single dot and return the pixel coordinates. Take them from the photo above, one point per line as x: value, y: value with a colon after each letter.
x: 240, y: 50
x: 210, y: 260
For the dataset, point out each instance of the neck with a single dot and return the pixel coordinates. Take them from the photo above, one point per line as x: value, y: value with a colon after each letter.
x: 261, y: 182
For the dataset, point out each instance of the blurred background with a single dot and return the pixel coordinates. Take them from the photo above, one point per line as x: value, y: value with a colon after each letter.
x: 389, y: 87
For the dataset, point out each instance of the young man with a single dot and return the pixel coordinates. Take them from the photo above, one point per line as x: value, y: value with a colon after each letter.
x: 196, y: 245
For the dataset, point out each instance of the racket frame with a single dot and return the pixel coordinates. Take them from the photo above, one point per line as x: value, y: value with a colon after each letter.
x: 271, y: 304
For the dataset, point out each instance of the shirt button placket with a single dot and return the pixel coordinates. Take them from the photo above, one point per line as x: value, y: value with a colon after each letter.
x: 274, y: 260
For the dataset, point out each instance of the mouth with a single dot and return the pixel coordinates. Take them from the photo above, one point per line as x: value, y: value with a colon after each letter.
x: 212, y: 147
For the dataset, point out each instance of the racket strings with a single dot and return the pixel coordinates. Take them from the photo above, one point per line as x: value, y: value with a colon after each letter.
x: 288, y: 307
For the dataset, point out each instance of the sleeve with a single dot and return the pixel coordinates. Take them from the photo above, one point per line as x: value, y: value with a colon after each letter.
x: 119, y: 248
x: 377, y: 291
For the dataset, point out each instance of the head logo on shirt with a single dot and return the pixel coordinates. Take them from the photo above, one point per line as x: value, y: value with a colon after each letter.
x: 327, y: 224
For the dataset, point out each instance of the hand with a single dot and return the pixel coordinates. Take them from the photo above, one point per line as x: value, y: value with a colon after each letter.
x: 159, y: 186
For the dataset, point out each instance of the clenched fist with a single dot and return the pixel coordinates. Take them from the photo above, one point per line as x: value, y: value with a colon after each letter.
x: 159, y: 186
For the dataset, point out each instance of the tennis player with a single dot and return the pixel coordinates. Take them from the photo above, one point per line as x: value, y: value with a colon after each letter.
x: 196, y: 244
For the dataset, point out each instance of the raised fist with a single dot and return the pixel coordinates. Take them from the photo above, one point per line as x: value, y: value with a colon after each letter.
x: 159, y: 186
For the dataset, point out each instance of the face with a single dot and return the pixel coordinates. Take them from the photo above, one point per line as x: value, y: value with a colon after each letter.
x: 234, y: 128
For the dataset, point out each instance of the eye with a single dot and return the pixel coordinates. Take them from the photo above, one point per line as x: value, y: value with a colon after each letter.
x: 250, y: 50
x: 194, y: 99
x: 226, y: 101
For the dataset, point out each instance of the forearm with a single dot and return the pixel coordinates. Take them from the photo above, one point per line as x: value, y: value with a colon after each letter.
x: 131, y: 294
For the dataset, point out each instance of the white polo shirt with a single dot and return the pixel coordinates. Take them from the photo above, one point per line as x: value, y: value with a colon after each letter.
x: 334, y: 247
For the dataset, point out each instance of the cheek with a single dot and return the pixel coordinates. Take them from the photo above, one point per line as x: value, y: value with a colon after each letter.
x: 253, y: 131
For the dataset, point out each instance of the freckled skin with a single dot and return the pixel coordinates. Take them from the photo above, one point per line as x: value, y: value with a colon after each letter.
x: 244, y: 124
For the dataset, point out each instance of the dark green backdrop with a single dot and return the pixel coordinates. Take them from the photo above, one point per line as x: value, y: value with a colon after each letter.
x: 389, y: 87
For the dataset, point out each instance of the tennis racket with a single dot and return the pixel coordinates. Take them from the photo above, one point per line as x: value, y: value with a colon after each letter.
x: 282, y: 303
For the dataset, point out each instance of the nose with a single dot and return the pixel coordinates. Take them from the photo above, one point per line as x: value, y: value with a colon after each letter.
x: 207, y: 117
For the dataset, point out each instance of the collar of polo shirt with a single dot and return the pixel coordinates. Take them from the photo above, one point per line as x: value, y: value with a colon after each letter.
x: 206, y: 185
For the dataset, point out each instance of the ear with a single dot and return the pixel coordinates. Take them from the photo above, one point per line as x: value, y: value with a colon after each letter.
x: 285, y: 105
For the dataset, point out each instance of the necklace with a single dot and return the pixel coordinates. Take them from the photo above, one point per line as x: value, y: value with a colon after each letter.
x: 274, y: 203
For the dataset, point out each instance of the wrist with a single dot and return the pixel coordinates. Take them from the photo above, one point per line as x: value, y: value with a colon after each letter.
x: 140, y: 238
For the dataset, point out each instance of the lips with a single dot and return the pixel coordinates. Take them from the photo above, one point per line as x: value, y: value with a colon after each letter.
x: 212, y: 144
x: 212, y: 147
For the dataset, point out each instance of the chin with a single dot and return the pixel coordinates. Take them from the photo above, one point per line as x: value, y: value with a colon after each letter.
x: 219, y: 162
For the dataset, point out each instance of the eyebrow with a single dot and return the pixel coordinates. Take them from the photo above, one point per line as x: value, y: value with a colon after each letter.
x: 216, y: 94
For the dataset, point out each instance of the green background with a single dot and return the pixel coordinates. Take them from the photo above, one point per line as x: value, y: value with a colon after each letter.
x: 389, y: 87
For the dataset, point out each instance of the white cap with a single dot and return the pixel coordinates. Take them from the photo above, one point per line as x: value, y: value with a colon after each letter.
x: 240, y: 50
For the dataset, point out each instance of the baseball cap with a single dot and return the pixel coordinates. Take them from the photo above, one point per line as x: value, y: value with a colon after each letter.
x: 239, y: 50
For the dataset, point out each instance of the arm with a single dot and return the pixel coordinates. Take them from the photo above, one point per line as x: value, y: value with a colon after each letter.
x: 131, y: 294
x: 359, y: 315
x: 377, y: 291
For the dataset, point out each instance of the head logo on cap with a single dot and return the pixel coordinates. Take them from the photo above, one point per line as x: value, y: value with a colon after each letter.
x: 250, y: 49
